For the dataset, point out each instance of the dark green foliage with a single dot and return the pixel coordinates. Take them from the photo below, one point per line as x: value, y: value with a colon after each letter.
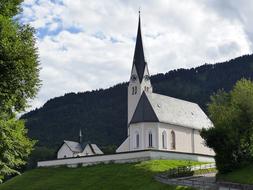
x: 232, y: 136
x: 38, y: 154
x: 19, y: 73
x: 19, y: 82
x: 241, y: 175
x: 10, y: 8
x: 109, y: 149
x: 182, y: 171
x: 103, y: 113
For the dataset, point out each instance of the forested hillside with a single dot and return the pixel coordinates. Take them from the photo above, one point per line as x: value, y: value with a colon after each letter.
x: 102, y: 114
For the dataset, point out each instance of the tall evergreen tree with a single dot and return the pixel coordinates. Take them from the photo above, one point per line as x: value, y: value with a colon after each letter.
x: 19, y: 82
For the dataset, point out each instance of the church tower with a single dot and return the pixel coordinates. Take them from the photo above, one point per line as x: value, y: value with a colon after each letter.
x: 140, y: 79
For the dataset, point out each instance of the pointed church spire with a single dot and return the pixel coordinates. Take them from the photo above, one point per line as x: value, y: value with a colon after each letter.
x: 139, y: 58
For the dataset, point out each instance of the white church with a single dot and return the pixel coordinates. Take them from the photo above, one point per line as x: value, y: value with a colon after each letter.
x: 159, y: 127
x: 71, y: 149
x: 160, y: 122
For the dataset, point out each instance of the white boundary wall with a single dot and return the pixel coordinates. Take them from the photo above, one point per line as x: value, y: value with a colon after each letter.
x: 126, y: 157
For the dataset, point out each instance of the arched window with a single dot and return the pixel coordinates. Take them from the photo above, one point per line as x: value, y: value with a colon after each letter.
x: 173, y: 140
x: 137, y: 140
x: 164, y: 139
x: 150, y: 139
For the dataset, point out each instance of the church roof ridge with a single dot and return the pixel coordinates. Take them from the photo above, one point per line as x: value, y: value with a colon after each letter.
x: 178, y: 99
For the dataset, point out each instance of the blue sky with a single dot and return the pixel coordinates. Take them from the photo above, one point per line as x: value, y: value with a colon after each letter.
x: 86, y: 45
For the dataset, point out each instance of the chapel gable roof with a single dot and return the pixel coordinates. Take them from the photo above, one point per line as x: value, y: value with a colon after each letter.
x: 74, y: 146
x: 79, y: 147
x: 94, y: 148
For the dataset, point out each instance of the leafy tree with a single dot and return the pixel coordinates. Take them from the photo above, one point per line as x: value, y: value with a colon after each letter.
x: 14, y: 146
x: 232, y: 135
x: 19, y: 82
x: 109, y: 149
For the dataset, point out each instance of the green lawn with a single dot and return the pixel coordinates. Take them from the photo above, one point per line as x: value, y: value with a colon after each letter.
x: 110, y: 177
x: 243, y: 175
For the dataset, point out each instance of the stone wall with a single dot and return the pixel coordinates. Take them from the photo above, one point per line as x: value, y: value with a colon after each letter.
x: 126, y: 157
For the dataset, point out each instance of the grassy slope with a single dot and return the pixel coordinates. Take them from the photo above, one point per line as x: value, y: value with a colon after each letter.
x: 111, y: 176
x: 243, y: 175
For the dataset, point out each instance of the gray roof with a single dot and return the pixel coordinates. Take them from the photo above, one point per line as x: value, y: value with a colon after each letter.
x: 78, y: 148
x: 74, y: 146
x: 144, y: 111
x: 171, y: 110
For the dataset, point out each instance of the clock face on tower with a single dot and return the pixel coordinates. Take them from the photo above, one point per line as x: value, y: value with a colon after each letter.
x: 133, y: 78
x: 146, y: 77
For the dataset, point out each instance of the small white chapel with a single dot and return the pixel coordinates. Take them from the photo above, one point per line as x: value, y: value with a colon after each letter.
x: 72, y: 149
x: 160, y: 122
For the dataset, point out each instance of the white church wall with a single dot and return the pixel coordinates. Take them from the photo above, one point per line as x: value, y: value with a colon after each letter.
x: 199, y: 145
x: 150, y: 127
x: 134, y: 130
x: 143, y: 129
x: 182, y: 137
x: 87, y: 151
x: 64, y: 152
x: 161, y: 130
x: 186, y: 139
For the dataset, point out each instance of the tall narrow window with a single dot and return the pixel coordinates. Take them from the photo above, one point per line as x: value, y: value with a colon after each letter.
x: 135, y: 90
x: 150, y: 139
x: 164, y: 140
x: 137, y: 145
x: 173, y: 140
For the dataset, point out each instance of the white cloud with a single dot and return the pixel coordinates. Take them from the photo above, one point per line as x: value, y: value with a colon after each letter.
x: 85, y: 45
